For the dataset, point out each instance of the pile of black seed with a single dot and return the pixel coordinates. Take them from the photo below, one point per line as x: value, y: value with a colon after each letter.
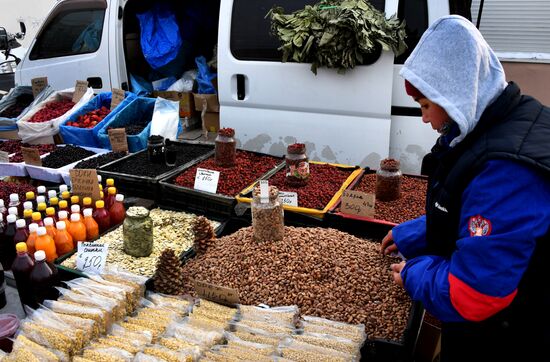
x: 139, y: 164
x: 65, y: 155
x: 100, y: 160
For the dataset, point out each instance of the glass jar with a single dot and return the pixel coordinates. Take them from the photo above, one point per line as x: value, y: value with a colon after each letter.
x: 388, y: 180
x: 137, y: 231
x: 155, y: 149
x: 297, y: 165
x: 170, y: 154
x: 226, y: 148
x: 267, y: 216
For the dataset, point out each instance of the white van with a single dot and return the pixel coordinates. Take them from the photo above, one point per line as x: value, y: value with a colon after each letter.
x: 358, y: 118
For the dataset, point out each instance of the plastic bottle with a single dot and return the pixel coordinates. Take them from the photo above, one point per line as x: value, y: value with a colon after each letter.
x: 117, y: 212
x: 3, y: 244
x: 27, y: 215
x: 30, y: 197
x: 13, y: 211
x: 54, y: 202
x: 62, y: 189
x: 101, y: 195
x: 110, y: 182
x: 50, y: 228
x: 110, y: 199
x: 101, y: 216
x: 77, y: 229
x: 64, y: 216
x: 75, y: 200
x: 40, y: 199
x: 3, y: 209
x: 21, y: 232
x: 42, y: 209
x: 31, y: 240
x: 87, y: 203
x: 2, y: 289
x: 66, y: 195
x: 99, y: 178
x: 50, y: 212
x: 63, y: 206
x: 21, y: 269
x: 45, y: 242
x: 14, y: 202
x: 27, y: 205
x: 63, y: 240
x: 37, y: 218
x: 8, y: 252
x: 52, y: 194
x: 41, y: 191
x: 92, y: 229
x: 42, y: 279
x: 75, y: 209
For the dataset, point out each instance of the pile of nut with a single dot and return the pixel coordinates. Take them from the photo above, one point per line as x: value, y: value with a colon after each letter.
x: 327, y: 273
x: 172, y: 229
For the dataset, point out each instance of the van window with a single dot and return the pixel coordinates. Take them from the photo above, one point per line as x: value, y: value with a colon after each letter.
x: 415, y: 14
x: 70, y: 33
x: 251, y: 37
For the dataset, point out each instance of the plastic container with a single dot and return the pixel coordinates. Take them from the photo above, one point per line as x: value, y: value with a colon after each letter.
x: 92, y: 229
x: 37, y: 218
x: 50, y: 228
x: 64, y: 216
x: 21, y: 269
x: 226, y: 148
x: 77, y: 229
x: 388, y: 180
x: 31, y: 240
x: 9, y: 324
x: 50, y: 212
x: 267, y: 215
x: 155, y: 149
x: 137, y: 232
x: 117, y: 212
x: 45, y: 243
x: 30, y: 200
x: 43, y: 278
x: 54, y: 202
x: 110, y: 198
x: 8, y: 247
x: 27, y: 216
x: 63, y: 239
x: 21, y: 232
x: 101, y: 216
x: 41, y: 208
x: 296, y: 165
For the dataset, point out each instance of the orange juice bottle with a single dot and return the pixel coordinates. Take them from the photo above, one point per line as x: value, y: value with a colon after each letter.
x: 92, y: 229
x: 50, y: 229
x: 75, y: 209
x: 64, y: 216
x: 77, y: 229
x: 87, y: 203
x: 63, y: 239
x: 33, y: 228
x: 45, y: 242
x: 50, y: 212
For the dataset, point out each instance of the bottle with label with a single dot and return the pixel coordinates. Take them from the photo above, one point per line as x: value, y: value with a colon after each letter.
x: 77, y: 229
x: 8, y: 252
x: 63, y: 206
x: 37, y: 218
x: 92, y: 229
x: 31, y: 240
x: 50, y: 212
x: 388, y: 180
x: 226, y: 148
x: 21, y: 232
x: 54, y: 202
x: 101, y: 216
x: 75, y: 200
x: 117, y: 212
x: 137, y: 231
x: 27, y: 215
x: 41, y: 191
x: 14, y: 202
x: 63, y: 240
x: 110, y: 199
x: 50, y: 228
x: 64, y: 216
x: 267, y: 215
x: 45, y: 242
x: 42, y: 279
x: 297, y: 165
x: 30, y: 198
x: 42, y: 209
x: 3, y: 209
x: 21, y: 269
x: 87, y: 203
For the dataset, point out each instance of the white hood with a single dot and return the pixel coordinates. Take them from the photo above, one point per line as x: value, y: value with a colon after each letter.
x: 453, y: 66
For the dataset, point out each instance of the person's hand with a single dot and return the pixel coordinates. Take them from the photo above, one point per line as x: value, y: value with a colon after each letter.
x: 396, y: 273
x: 388, y: 246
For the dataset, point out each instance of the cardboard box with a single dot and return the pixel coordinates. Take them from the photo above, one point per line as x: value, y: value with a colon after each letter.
x: 187, y: 104
x: 211, y: 105
x: 212, y: 121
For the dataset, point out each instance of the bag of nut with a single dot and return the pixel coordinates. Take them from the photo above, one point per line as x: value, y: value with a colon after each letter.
x: 300, y: 351
x: 108, y: 355
x: 26, y: 350
x: 284, y: 314
x: 179, y: 304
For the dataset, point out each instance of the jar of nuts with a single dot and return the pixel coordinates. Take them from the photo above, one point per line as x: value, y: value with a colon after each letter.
x: 297, y: 165
x: 267, y: 215
x: 137, y: 231
x: 388, y: 180
x: 226, y: 148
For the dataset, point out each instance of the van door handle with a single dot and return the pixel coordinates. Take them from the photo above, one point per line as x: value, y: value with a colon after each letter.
x: 240, y: 87
x: 95, y: 82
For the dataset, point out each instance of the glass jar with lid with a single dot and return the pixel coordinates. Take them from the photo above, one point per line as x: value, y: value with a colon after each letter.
x: 155, y: 149
x: 226, y: 148
x: 388, y: 180
x: 297, y: 165
x: 267, y: 215
x: 137, y: 231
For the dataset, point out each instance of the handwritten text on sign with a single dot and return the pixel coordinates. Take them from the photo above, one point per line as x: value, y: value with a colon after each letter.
x: 31, y: 156
x: 206, y: 180
x: 4, y: 156
x: 84, y: 183
x: 289, y: 198
x: 358, y: 203
x: 80, y: 89
x: 117, y: 137
x: 216, y: 293
x: 117, y: 96
x: 91, y: 257
x: 38, y: 84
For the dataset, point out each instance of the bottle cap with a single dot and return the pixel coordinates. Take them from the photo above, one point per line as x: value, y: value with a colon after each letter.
x: 27, y: 213
x: 2, y: 203
x: 33, y: 228
x: 27, y: 205
x: 14, y: 198
x: 36, y: 216
x: 55, y: 201
x: 40, y: 199
x: 88, y: 212
x: 51, y: 194
x: 41, y: 231
x: 13, y: 210
x: 63, y: 188
x: 110, y: 182
x: 63, y: 214
x: 42, y: 206
x: 75, y: 217
x: 87, y: 201
x: 75, y: 209
x: 50, y: 211
x: 120, y: 197
x: 20, y: 223
x: 63, y: 204
x: 48, y: 221
x: 12, y: 218
x: 1, y: 217
x: 65, y: 195
x: 99, y: 178
x: 111, y: 190
x: 101, y: 194
x: 29, y: 195
x: 75, y: 199
x: 21, y: 247
x: 41, y: 189
x: 39, y: 255
x: 60, y: 225
x: 99, y: 204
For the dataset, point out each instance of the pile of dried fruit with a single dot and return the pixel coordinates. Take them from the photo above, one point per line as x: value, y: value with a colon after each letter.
x: 90, y: 119
x: 51, y: 111
x: 42, y: 149
x: 249, y: 167
x: 100, y: 160
x: 63, y: 156
x: 21, y: 102
x: 11, y: 146
x: 326, y: 272
x: 7, y: 188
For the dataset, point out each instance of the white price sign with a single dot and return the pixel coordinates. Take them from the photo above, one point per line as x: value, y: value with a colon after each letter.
x: 91, y: 257
x: 206, y: 180
x: 289, y: 198
x: 4, y: 157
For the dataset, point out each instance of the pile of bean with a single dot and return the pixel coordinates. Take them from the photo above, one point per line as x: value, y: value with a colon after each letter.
x: 7, y: 188
x: 63, y: 156
x: 10, y: 146
x: 21, y: 102
x: 324, y: 182
x: 326, y: 272
x: 100, y: 160
x: 411, y: 204
x: 51, y: 111
x: 249, y: 167
x: 42, y: 149
x: 139, y: 164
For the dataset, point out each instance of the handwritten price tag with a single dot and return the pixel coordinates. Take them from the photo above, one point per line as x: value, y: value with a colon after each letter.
x: 206, y: 180
x: 289, y: 198
x: 117, y: 137
x: 31, y: 156
x: 216, y: 293
x: 117, y: 97
x: 358, y: 203
x: 91, y: 257
x: 4, y: 157
x: 84, y: 183
x: 38, y: 84
x: 80, y: 89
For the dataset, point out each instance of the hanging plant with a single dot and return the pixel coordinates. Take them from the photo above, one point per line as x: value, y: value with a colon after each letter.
x: 336, y: 34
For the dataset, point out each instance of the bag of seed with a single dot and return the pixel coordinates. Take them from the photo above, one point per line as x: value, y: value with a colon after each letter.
x: 271, y: 326
x: 132, y: 290
x: 181, y: 305
x: 142, y: 337
x: 194, y: 335
x: 87, y: 326
x: 105, y: 290
x: 109, y: 306
x: 116, y: 274
x: 355, y: 332
x: 176, y: 344
x: 241, y: 354
x: 111, y: 341
x: 285, y: 314
x: 255, y: 335
x: 25, y: 350
x: 304, y: 352
x: 94, y: 299
x: 258, y: 348
x: 49, y: 337
x: 168, y: 355
x: 64, y: 307
x: 339, y: 344
x: 107, y: 354
x: 206, y: 323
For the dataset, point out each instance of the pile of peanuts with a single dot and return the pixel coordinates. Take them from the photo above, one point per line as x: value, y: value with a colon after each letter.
x: 326, y: 272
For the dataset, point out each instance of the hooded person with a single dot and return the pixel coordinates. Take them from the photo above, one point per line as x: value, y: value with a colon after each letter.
x: 476, y: 260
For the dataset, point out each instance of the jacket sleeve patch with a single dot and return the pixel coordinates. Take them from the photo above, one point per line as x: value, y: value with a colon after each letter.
x: 479, y: 226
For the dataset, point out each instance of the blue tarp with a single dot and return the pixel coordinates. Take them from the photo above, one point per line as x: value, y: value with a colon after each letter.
x: 88, y: 136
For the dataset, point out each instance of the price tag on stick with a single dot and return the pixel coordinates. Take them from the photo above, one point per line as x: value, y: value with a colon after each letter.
x: 4, y: 157
x: 31, y: 156
x: 91, y: 257
x: 38, y: 84
x: 358, y: 203
x: 80, y: 89
x: 289, y: 198
x: 216, y: 293
x: 206, y: 180
x: 264, y: 191
x: 84, y: 183
x: 117, y: 137
x: 117, y: 96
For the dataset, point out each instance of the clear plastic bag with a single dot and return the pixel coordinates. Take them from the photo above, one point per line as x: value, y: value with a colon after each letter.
x: 166, y: 117
x: 181, y: 305
x: 96, y: 314
x: 258, y: 348
x: 108, y: 354
x: 303, y: 352
x: 168, y: 355
x: 116, y: 293
x: 271, y: 327
x: 142, y: 337
x: 109, y: 306
x: 50, y: 320
x: 132, y: 327
x: 132, y: 296
x: 117, y: 275
x: 355, y: 332
x: 339, y: 344
x: 194, y: 335
x: 284, y: 314
x: 258, y: 336
x: 125, y: 344
x: 22, y: 346
x: 207, y: 307
x: 241, y: 354
x: 47, y: 334
x: 177, y: 344
x: 206, y: 323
